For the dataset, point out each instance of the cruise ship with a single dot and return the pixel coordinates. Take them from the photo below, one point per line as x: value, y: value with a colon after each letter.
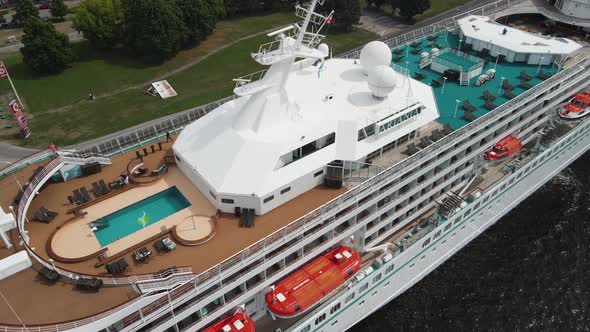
x: 322, y: 189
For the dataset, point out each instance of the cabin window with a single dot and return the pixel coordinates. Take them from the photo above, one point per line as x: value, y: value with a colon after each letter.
x: 177, y: 158
x: 320, y: 319
x: 426, y: 243
x: 306, y: 329
x: 318, y: 173
x: 377, y: 277
x: 335, y: 308
x: 212, y: 195
x: 227, y: 201
x: 306, y: 150
x: 297, y: 307
x: 389, y: 269
x: 364, y: 287
x: 285, y: 190
x: 350, y: 272
x: 349, y: 298
x: 268, y: 199
x: 447, y: 227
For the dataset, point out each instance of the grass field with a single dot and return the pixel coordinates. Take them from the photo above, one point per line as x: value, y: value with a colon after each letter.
x: 436, y: 7
x: 59, y: 112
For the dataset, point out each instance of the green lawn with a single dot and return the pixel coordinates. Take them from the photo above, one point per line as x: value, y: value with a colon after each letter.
x: 61, y: 113
x: 439, y: 6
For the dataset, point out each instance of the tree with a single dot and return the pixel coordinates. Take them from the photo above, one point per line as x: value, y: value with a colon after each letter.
x: 45, y: 50
x: 346, y: 13
x: 58, y: 9
x: 409, y: 9
x: 199, y: 18
x: 100, y: 21
x: 153, y: 29
x: 24, y: 10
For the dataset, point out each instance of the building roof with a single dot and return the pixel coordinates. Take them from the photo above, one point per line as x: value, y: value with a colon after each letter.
x: 485, y: 29
x: 237, y: 148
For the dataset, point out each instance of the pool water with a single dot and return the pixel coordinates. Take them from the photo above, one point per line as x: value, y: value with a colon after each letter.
x: 144, y: 213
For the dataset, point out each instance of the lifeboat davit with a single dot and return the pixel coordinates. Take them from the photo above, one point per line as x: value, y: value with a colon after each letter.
x: 238, y: 322
x: 506, y: 147
x: 307, y: 286
x: 578, y: 107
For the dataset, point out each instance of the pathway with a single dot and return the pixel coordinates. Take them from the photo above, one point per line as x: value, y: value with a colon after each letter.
x: 10, y: 153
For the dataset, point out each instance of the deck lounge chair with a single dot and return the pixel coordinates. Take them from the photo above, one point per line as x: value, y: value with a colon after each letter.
x: 447, y: 129
x: 431, y: 38
x: 78, y: 197
x: 96, y: 189
x: 244, y: 218
x: 467, y: 106
x: 440, y: 46
x: 509, y: 95
x: 506, y: 85
x: 490, y: 105
x: 415, y: 44
x: 419, y: 76
x: 251, y: 216
x: 85, y: 194
x: 398, y: 51
x: 483, y: 52
x: 436, y: 83
x: 50, y: 214
x: 39, y: 216
x: 469, y: 116
x: 416, y: 50
x: 524, y: 76
x: 488, y: 96
x: 542, y: 75
x: 49, y: 274
x: 525, y: 85
x: 411, y: 149
x: 424, y: 142
x: 398, y: 58
x: 103, y: 187
x: 92, y: 284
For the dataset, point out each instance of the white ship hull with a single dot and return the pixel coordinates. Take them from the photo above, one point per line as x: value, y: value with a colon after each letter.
x: 415, y: 263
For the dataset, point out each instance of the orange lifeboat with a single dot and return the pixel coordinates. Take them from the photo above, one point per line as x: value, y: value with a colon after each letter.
x: 578, y: 107
x: 238, y: 322
x: 308, y: 285
x: 506, y: 147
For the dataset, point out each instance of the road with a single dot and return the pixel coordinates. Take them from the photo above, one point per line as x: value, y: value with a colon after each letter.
x: 10, y: 153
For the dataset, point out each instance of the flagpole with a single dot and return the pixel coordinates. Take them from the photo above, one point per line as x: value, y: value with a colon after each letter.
x: 12, y: 85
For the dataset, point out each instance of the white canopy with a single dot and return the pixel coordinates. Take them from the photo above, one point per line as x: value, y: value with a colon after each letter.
x: 484, y: 29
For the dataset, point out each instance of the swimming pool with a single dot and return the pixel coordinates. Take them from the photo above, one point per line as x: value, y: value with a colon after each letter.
x: 146, y: 212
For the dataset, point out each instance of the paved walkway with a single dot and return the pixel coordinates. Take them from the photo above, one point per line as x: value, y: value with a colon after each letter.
x: 74, y: 37
x: 10, y: 153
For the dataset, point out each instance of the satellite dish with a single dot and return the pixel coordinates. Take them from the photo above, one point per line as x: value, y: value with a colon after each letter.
x: 381, y: 81
x: 375, y: 53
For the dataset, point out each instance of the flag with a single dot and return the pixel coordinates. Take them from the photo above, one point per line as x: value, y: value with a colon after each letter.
x: 3, y: 71
x: 19, y: 117
x: 329, y: 20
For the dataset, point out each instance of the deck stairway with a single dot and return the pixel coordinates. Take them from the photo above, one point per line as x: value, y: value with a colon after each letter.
x: 73, y: 158
x: 464, y: 78
x: 163, y: 281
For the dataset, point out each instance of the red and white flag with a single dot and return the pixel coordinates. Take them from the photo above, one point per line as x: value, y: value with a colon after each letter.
x: 3, y: 71
x: 19, y: 117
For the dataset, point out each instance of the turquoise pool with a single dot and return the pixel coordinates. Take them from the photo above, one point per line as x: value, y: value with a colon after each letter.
x: 129, y: 220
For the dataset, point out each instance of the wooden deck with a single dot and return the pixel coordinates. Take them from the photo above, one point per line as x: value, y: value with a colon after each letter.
x: 38, y: 303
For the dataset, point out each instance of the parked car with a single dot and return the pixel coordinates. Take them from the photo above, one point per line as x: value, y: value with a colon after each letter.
x: 45, y: 5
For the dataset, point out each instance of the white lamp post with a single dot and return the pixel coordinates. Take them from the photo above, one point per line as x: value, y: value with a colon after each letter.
x: 540, y: 61
x: 460, y: 41
x: 442, y: 91
x: 457, y: 101
x: 501, y: 83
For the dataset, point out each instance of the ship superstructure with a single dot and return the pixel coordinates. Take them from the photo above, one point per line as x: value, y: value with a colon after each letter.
x: 412, y: 186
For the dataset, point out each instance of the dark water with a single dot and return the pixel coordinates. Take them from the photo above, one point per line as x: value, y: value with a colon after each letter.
x: 529, y: 272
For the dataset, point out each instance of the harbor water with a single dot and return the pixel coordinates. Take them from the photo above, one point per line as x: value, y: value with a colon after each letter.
x: 528, y: 272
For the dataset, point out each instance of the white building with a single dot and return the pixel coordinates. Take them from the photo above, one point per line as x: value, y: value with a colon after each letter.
x: 516, y: 45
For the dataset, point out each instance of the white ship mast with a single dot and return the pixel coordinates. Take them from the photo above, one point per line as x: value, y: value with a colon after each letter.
x: 269, y: 103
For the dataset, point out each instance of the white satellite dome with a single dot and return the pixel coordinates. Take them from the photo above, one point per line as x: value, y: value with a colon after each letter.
x: 324, y: 49
x: 381, y: 81
x: 375, y: 53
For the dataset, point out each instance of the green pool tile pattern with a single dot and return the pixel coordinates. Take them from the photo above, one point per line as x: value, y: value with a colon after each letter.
x: 446, y: 99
